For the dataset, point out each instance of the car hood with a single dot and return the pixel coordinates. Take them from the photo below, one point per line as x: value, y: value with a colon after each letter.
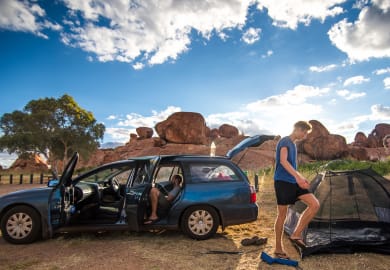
x: 248, y: 142
x: 22, y: 195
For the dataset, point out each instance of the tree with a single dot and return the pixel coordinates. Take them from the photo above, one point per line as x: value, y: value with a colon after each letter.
x: 51, y: 127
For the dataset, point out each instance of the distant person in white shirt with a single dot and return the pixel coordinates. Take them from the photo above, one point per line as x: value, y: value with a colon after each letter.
x: 160, y: 202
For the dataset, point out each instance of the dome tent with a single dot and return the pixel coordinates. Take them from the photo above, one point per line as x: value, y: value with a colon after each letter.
x: 354, y: 214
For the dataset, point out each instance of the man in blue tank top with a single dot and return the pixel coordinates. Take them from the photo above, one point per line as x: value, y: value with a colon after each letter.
x: 291, y: 186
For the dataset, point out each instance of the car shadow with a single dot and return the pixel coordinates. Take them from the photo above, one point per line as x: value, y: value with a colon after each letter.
x: 173, y: 248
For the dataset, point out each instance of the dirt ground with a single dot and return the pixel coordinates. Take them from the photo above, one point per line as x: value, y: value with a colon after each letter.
x: 173, y: 250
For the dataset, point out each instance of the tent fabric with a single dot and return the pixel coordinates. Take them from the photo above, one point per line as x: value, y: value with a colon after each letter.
x: 354, y: 214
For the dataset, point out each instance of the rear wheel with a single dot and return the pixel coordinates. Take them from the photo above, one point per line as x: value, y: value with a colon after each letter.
x: 21, y: 225
x: 200, y: 222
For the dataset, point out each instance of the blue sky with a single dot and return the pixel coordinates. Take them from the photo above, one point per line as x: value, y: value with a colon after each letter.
x: 259, y: 65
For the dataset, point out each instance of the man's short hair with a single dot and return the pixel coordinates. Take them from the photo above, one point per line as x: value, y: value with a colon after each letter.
x: 303, y: 125
x: 178, y: 177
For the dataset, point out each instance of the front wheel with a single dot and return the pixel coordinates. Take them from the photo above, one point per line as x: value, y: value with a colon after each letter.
x: 200, y: 222
x: 21, y: 225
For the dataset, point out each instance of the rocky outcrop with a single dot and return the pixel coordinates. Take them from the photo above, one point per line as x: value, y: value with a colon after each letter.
x: 144, y: 133
x: 213, y: 134
x: 360, y: 140
x: 29, y: 164
x: 375, y: 138
x: 228, y: 131
x: 183, y: 128
x: 187, y: 133
x: 321, y: 145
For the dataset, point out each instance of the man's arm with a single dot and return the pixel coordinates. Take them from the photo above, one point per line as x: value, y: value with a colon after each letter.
x: 173, y: 193
x: 301, y: 181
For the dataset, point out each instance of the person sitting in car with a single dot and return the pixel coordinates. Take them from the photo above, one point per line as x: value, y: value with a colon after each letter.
x: 161, y: 203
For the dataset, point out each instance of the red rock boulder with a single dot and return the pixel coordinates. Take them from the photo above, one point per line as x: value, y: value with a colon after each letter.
x: 318, y: 130
x: 228, y: 131
x: 183, y: 127
x: 375, y: 138
x: 321, y: 145
x: 214, y: 133
x: 360, y: 140
x: 144, y: 132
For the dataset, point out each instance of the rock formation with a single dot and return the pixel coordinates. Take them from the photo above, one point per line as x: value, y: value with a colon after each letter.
x: 228, y: 131
x: 321, y: 145
x: 183, y: 127
x: 375, y: 138
x: 187, y: 133
x: 144, y: 133
x: 360, y: 140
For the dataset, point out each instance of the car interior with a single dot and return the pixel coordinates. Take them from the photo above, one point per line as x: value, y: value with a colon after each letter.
x: 98, y: 198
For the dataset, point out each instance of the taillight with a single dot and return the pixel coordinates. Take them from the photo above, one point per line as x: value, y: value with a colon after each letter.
x: 253, y: 194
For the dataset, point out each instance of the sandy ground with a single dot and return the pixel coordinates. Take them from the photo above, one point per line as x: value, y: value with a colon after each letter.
x: 173, y: 250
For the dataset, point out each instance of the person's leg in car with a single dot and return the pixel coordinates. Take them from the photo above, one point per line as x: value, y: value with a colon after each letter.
x: 154, y: 197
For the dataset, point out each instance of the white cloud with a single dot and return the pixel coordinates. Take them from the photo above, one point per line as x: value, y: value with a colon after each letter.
x: 322, y: 68
x: 24, y: 16
x: 348, y: 95
x: 356, y: 80
x: 359, y: 4
x: 121, y: 133
x: 289, y: 13
x: 149, y: 32
x: 138, y: 66
x: 367, y: 37
x: 381, y: 71
x: 275, y: 114
x: 136, y: 120
x: 251, y: 35
x: 386, y: 82
x: 118, y: 134
x: 379, y: 112
x: 268, y: 54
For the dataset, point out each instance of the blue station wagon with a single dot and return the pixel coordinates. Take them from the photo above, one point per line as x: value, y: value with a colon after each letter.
x: 214, y: 192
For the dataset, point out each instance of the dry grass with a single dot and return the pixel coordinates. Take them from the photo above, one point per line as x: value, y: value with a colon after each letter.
x: 173, y: 250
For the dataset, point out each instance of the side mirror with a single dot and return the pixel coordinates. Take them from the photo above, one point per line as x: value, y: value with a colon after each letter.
x: 53, y: 182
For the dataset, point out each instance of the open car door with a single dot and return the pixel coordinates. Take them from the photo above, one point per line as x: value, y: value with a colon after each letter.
x: 248, y: 142
x: 62, y: 198
x: 137, y: 194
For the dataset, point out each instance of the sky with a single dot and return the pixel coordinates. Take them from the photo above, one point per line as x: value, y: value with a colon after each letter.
x: 258, y: 65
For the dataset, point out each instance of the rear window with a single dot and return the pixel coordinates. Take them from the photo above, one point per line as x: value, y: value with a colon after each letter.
x: 212, y: 172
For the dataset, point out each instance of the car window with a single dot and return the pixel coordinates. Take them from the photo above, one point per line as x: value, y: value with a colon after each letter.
x: 141, y: 174
x: 166, y: 171
x: 121, y: 174
x: 212, y: 172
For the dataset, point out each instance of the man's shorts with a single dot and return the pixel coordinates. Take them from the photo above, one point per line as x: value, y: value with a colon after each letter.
x: 288, y: 193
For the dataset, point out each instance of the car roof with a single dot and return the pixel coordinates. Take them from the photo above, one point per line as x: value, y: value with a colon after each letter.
x: 179, y: 157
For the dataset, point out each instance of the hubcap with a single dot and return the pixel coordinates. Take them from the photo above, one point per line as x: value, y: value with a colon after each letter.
x: 19, y: 225
x: 200, y: 222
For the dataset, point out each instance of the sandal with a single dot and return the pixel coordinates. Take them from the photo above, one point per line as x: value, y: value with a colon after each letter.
x: 299, y: 242
x: 151, y: 221
x: 281, y: 255
x: 255, y: 240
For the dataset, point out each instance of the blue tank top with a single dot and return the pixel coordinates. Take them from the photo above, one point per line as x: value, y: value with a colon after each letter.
x: 281, y: 174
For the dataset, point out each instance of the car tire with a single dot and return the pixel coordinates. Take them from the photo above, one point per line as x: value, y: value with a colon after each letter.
x: 21, y: 225
x: 200, y: 222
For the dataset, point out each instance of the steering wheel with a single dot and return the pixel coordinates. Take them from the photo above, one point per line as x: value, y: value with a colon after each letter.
x: 161, y: 188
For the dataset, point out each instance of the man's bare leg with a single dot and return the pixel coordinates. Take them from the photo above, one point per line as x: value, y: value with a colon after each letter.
x: 312, y: 208
x: 279, y: 228
x: 154, y: 194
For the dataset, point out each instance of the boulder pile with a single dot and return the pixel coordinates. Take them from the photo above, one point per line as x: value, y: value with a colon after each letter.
x: 187, y: 133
